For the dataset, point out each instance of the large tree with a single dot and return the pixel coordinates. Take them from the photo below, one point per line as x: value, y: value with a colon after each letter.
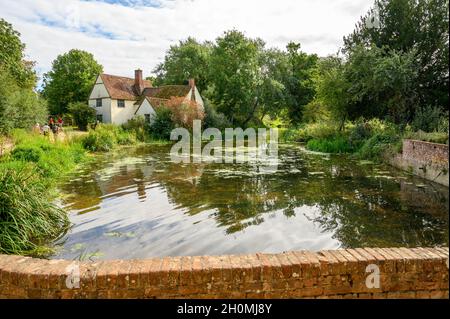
x: 419, y: 26
x: 188, y: 59
x: 12, y: 57
x: 71, y: 79
x: 235, y: 76
x: 299, y: 81
x: 19, y: 107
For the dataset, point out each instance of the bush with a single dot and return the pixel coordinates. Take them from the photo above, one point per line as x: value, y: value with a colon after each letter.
x: 427, y: 119
x: 106, y: 136
x: 162, y: 125
x: 377, y: 145
x: 435, y: 137
x: 137, y: 125
x: 82, y: 114
x: 184, y: 112
x: 336, y: 144
x: 215, y: 119
x: 27, y: 153
x: 319, y: 130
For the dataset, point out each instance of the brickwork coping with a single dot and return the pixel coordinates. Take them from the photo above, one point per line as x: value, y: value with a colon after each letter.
x: 345, y: 273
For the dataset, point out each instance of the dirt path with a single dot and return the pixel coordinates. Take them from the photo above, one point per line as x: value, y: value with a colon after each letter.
x: 5, y: 145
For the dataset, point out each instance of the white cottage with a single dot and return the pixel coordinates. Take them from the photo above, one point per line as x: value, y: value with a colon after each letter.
x: 118, y: 99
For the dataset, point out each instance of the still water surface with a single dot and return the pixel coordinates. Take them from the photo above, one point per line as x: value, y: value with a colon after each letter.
x: 136, y: 203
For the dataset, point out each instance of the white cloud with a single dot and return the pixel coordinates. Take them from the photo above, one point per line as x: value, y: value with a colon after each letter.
x: 123, y: 38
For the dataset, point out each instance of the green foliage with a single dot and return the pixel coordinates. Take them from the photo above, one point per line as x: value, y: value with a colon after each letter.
x: 377, y: 145
x: 106, y: 136
x: 336, y: 144
x: 434, y: 137
x: 19, y: 107
x: 162, y: 124
x: 428, y: 119
x: 28, y: 219
x: 234, y: 74
x: 51, y: 159
x: 82, y: 114
x: 12, y: 57
x: 299, y: 82
x: 366, y: 139
x: 137, y: 125
x: 27, y: 153
x: 213, y: 118
x: 416, y: 27
x: 71, y: 80
x: 188, y: 59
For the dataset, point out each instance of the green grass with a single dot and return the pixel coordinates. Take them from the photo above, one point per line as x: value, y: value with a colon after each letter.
x: 434, y: 137
x: 29, y: 221
x: 337, y: 144
x: 107, y: 136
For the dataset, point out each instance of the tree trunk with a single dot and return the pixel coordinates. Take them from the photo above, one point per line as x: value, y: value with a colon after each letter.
x: 251, y: 113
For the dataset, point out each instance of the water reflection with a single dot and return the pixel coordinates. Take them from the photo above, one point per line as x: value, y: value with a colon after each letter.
x: 136, y: 203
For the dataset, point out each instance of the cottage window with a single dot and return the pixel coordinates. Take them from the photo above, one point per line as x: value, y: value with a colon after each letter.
x: 120, y: 103
x: 100, y: 118
x: 147, y: 118
x: 99, y: 103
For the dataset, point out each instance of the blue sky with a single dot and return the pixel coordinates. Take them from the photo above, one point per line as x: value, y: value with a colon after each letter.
x: 127, y: 34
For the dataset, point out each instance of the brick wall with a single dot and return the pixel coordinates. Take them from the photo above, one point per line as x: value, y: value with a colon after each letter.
x: 424, y: 159
x: 425, y: 152
x: 403, y: 273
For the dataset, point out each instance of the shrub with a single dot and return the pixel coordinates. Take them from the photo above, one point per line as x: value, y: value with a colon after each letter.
x: 137, y: 125
x: 27, y: 153
x: 319, y: 130
x: 377, y: 145
x: 106, y: 136
x: 82, y: 114
x: 162, y: 124
x: 99, y: 141
x: 215, y: 119
x: 336, y: 144
x: 126, y: 138
x: 434, y: 137
x: 427, y: 119
x: 184, y: 112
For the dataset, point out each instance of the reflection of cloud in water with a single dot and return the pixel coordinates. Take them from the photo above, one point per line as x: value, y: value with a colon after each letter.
x: 309, y: 203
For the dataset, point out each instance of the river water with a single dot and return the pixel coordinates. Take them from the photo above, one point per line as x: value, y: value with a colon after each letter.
x: 137, y: 203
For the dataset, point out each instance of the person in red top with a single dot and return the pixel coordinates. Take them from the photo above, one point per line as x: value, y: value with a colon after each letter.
x: 60, y: 122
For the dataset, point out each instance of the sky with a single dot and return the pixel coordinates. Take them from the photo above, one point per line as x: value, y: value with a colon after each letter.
x: 125, y: 35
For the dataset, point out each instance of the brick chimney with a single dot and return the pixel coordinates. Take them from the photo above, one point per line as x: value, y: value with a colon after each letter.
x: 138, y: 81
x: 192, y: 83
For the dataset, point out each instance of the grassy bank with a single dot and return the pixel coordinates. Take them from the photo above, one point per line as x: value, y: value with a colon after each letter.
x: 29, y: 174
x: 363, y: 139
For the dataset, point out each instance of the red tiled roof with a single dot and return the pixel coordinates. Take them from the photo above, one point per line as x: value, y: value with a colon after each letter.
x: 154, y: 102
x: 123, y: 88
x: 167, y: 91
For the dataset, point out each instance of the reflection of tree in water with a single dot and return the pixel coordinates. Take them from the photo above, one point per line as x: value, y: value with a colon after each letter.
x: 357, y: 209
